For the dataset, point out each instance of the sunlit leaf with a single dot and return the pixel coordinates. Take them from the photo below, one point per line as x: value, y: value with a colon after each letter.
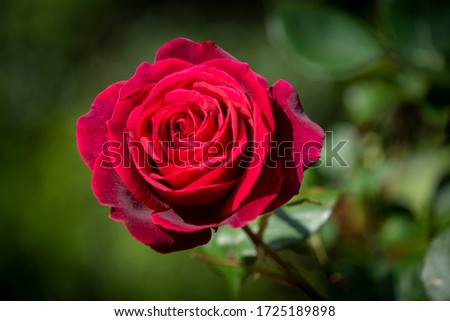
x: 233, y: 242
x: 325, y: 38
x: 300, y: 218
x: 436, y: 269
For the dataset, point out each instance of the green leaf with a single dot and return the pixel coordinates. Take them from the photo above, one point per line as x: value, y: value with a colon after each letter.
x: 300, y: 218
x: 326, y: 38
x: 436, y: 268
x: 234, y: 245
x: 420, y: 29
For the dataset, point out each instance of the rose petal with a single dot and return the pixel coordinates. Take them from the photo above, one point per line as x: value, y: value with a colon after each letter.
x: 151, y: 73
x: 283, y: 154
x: 140, y: 225
x: 193, y: 52
x: 186, y: 78
x: 193, y: 196
x: 193, y: 219
x: 307, y: 135
x: 298, y: 138
x: 197, y: 53
x: 128, y: 173
x: 256, y: 150
x: 91, y: 129
x: 251, y: 85
x: 265, y: 190
x: 107, y: 185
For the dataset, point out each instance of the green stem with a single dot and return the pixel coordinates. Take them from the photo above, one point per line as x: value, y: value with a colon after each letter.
x: 294, y: 279
x: 234, y: 263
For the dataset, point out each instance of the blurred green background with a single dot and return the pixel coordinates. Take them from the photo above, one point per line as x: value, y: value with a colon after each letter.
x: 375, y: 73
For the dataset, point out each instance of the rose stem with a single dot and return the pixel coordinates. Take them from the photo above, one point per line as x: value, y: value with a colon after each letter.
x: 234, y: 263
x: 295, y: 280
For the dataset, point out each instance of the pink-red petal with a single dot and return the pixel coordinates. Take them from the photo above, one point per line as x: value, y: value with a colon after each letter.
x: 190, y: 51
x: 91, y: 129
x: 108, y: 186
x: 151, y: 73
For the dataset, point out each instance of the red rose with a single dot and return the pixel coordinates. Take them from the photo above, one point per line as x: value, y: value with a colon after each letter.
x: 194, y: 141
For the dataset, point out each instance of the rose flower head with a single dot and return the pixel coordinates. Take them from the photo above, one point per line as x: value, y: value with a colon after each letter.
x: 194, y: 141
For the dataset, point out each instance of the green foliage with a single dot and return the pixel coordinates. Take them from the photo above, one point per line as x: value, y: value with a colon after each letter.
x: 419, y: 29
x: 326, y: 38
x: 391, y: 77
x: 300, y: 218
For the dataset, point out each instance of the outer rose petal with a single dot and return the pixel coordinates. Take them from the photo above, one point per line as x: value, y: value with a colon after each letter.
x: 140, y: 225
x: 91, y: 128
x: 129, y: 175
x: 299, y: 135
x: 147, y: 74
x: 292, y: 171
x: 190, y: 51
x: 307, y: 135
x: 107, y: 185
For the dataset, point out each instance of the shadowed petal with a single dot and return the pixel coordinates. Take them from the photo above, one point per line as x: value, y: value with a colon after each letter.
x: 140, y: 225
x: 173, y: 221
x: 307, y: 135
x: 299, y: 140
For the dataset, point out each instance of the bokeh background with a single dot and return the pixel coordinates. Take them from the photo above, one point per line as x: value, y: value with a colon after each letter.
x: 374, y: 73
